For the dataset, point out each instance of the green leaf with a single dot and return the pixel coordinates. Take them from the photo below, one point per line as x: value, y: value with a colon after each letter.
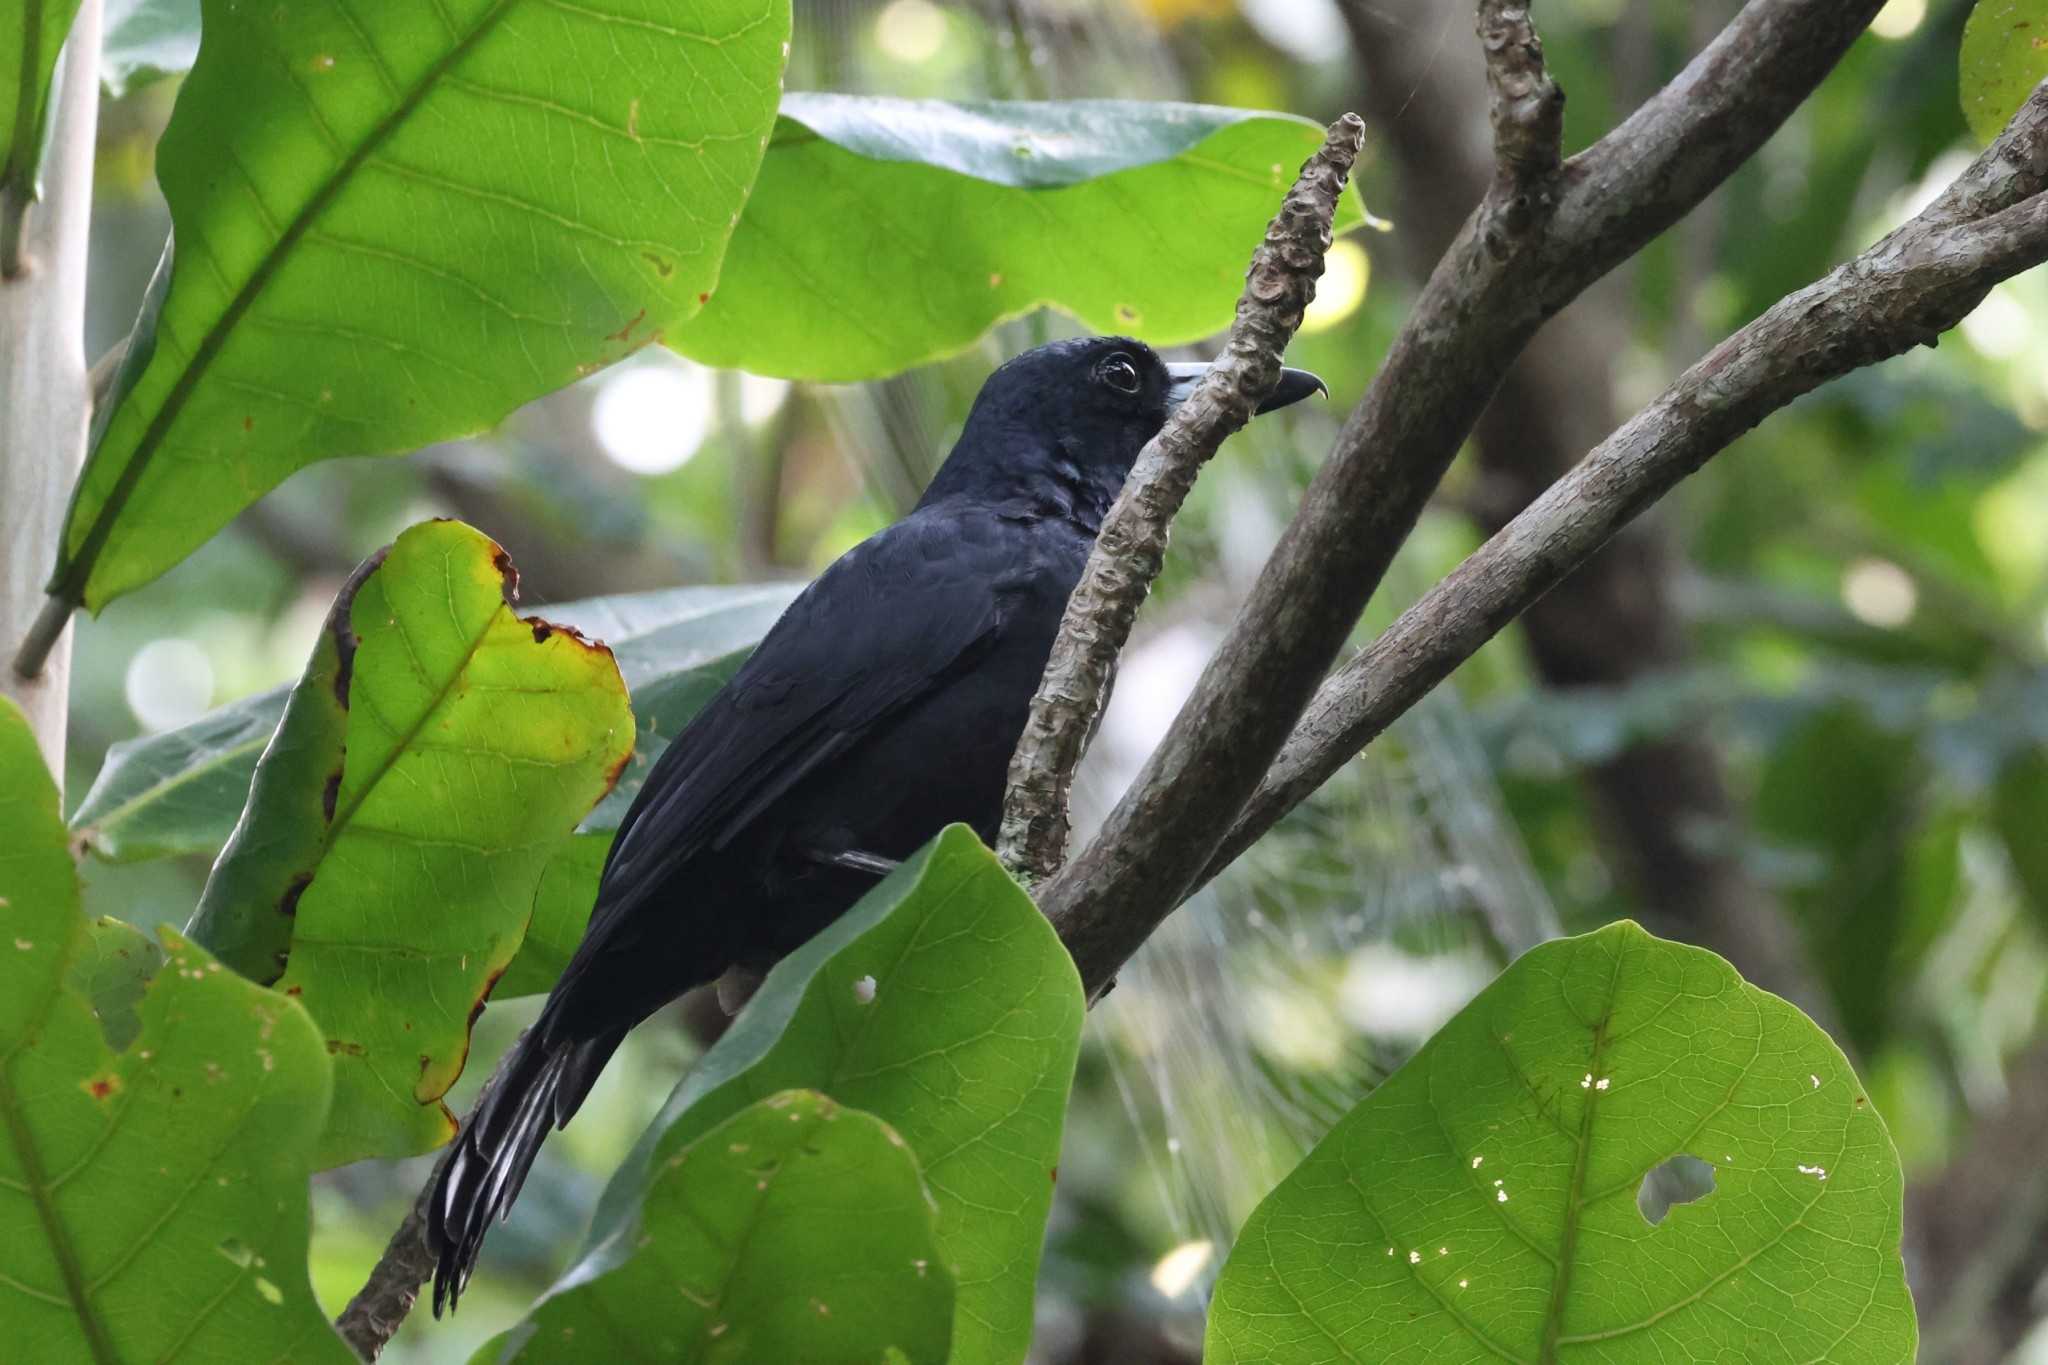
x: 396, y: 222
x: 2004, y: 56
x: 426, y: 771
x: 179, y: 792
x: 29, y: 43
x: 115, y: 964
x: 795, y: 1230
x: 1481, y: 1204
x: 944, y: 1005
x: 154, y: 1192
x: 147, y: 39
x: 884, y: 233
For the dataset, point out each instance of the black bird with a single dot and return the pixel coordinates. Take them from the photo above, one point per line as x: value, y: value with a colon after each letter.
x: 881, y: 707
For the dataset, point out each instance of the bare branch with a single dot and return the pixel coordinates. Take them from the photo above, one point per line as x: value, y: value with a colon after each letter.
x: 1128, y: 553
x: 1504, y: 275
x: 1905, y: 291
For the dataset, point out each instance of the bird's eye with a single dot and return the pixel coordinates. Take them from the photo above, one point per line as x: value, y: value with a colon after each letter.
x: 1119, y: 373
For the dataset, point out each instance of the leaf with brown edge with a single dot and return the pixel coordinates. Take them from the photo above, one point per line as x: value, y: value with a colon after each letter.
x: 470, y: 745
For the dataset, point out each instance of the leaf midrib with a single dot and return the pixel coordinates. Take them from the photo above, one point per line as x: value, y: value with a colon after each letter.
x: 37, y: 1185
x: 68, y: 584
x: 1567, y: 1251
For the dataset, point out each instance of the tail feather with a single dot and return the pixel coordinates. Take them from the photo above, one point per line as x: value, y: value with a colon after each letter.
x: 541, y: 1086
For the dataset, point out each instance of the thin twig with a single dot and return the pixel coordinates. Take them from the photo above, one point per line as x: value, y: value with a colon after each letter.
x: 1507, y: 272
x: 1903, y: 292
x: 1279, y: 285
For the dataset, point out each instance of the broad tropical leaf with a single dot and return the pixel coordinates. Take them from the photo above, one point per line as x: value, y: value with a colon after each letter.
x: 795, y: 1230
x: 436, y: 756
x: 946, y: 218
x: 152, y: 1173
x: 944, y: 1005
x: 1481, y: 1205
x: 396, y: 222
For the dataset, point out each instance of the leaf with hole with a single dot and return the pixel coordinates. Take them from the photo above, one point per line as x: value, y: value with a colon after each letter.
x: 435, y: 758
x: 795, y: 1230
x: 2004, y: 55
x: 944, y: 1005
x: 884, y: 233
x: 1483, y: 1203
x: 152, y: 1172
x: 396, y: 222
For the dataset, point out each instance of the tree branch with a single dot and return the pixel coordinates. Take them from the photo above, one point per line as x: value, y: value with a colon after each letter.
x: 1915, y: 284
x: 1531, y: 246
x: 43, y: 387
x: 1132, y: 545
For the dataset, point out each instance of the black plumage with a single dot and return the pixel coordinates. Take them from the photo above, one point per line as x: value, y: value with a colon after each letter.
x: 882, y: 706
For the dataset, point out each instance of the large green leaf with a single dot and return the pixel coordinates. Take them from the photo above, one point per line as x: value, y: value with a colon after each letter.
x: 154, y: 1189
x: 30, y: 40
x: 944, y: 1005
x: 796, y: 1230
x: 436, y: 757
x: 398, y: 221
x: 2003, y: 57
x: 1481, y: 1205
x: 884, y: 232
x: 179, y: 792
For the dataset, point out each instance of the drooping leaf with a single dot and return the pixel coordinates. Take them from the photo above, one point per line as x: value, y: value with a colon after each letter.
x: 147, y: 39
x: 396, y: 835
x: 396, y: 222
x: 2004, y: 56
x: 795, y: 1230
x: 153, y: 1188
x: 884, y: 232
x: 30, y: 40
x: 180, y: 792
x: 1481, y: 1204
x: 944, y: 1005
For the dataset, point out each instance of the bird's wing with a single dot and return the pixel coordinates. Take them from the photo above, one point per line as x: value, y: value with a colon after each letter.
x: 885, y: 625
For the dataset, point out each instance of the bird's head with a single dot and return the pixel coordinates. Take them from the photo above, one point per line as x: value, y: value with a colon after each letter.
x: 1065, y: 421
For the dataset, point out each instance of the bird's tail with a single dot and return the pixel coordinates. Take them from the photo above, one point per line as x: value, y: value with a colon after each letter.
x: 542, y: 1084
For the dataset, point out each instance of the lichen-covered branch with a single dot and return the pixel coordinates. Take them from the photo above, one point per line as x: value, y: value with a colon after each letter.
x: 1916, y: 283
x: 1278, y: 287
x: 1506, y: 273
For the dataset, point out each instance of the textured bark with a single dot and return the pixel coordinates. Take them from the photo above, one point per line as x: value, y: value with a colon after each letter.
x: 1278, y: 288
x: 1903, y: 292
x: 1536, y: 241
x: 1660, y: 802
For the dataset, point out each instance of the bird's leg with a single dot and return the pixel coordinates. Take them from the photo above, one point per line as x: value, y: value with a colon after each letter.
x: 853, y: 860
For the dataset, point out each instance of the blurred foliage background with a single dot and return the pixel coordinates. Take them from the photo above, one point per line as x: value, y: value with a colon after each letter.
x: 1800, y: 715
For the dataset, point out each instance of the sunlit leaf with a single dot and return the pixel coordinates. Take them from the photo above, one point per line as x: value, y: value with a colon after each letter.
x: 152, y: 1173
x: 396, y: 222
x: 1136, y: 218
x: 2004, y: 56
x: 795, y: 1230
x: 434, y: 759
x: 179, y: 792
x: 944, y: 1005
x: 1481, y: 1204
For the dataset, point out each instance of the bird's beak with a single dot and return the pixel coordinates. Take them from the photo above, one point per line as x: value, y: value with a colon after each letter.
x: 1294, y: 386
